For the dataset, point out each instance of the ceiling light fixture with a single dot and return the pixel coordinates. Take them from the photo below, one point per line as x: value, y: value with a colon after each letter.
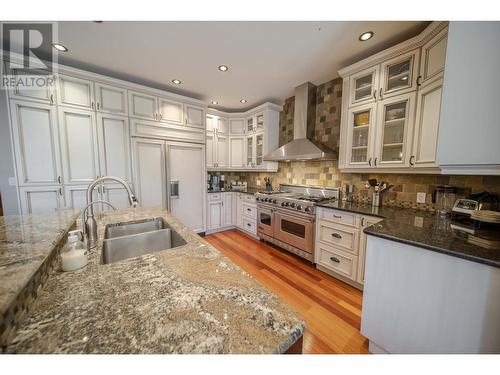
x: 59, y: 47
x: 365, y: 36
x: 223, y: 68
x: 243, y: 101
x: 176, y: 81
x: 215, y: 102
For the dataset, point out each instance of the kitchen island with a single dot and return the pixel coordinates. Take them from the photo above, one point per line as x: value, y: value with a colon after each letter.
x: 189, y: 299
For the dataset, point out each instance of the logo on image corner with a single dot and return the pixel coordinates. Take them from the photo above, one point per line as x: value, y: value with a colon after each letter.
x: 29, y: 61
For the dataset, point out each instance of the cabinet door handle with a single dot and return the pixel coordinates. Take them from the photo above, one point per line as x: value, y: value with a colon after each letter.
x: 336, y: 260
x: 161, y: 116
x: 375, y: 94
x: 249, y: 210
x: 51, y: 98
x: 98, y: 106
x: 370, y: 162
x: 59, y: 179
x: 412, y: 163
x: 60, y: 191
x: 336, y: 235
x: 362, y: 221
x: 337, y: 216
x: 249, y: 225
x: 380, y: 94
x: 375, y: 161
x: 419, y: 81
x: 92, y: 105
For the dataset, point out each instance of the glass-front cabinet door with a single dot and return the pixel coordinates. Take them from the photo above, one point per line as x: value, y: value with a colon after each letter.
x: 250, y: 147
x: 398, y: 75
x: 259, y: 149
x: 250, y: 125
x: 360, y: 133
x: 363, y: 87
x: 259, y: 121
x: 395, y: 123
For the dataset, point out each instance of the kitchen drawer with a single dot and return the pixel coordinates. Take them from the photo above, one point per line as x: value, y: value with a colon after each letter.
x: 250, y: 225
x: 337, y: 260
x: 214, y: 196
x: 337, y: 216
x: 341, y: 236
x: 249, y: 210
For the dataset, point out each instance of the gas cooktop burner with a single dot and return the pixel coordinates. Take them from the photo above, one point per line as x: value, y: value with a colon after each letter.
x: 315, y: 199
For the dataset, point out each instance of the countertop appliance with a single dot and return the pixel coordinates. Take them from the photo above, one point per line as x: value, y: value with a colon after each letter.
x: 444, y: 196
x: 287, y: 217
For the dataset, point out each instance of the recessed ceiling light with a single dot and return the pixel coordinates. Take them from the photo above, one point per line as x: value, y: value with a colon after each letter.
x: 223, y: 68
x: 365, y: 36
x: 59, y: 47
x: 215, y: 102
x: 243, y: 101
x: 176, y: 81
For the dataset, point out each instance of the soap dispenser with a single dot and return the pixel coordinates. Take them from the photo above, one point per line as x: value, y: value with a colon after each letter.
x: 73, y: 255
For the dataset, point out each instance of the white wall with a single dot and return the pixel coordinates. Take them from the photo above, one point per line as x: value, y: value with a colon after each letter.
x: 9, y: 193
x: 469, y: 130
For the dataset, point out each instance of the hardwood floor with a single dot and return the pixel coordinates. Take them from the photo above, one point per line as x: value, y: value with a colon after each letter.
x: 331, y: 308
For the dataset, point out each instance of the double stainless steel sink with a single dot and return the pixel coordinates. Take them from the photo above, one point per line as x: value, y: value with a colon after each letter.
x: 127, y: 240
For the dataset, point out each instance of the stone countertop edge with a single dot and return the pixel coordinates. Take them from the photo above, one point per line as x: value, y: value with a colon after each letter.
x: 188, y: 288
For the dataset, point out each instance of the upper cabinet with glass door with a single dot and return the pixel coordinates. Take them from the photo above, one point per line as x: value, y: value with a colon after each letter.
x: 398, y: 75
x: 360, y: 134
x: 396, y: 116
x: 364, y: 86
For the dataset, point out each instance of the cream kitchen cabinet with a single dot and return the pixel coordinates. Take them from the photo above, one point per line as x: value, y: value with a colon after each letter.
x: 76, y: 92
x: 111, y: 99
x: 143, y: 105
x: 36, y: 143
x: 79, y: 147
x: 395, y: 130
x: 45, y: 94
x: 220, y: 211
x: 194, y: 116
x: 237, y: 152
x: 170, y: 111
x: 161, y: 109
x: 215, y: 214
x: 217, y: 143
x: 340, y: 248
x: 41, y: 199
x: 255, y: 150
x: 236, y: 126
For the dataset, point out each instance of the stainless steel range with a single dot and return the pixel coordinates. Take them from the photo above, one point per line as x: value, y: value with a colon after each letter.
x: 287, y: 217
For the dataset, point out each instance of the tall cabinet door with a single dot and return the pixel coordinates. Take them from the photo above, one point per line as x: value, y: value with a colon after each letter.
x: 427, y: 125
x: 78, y: 145
x: 114, y: 150
x: 210, y: 142
x: 395, y: 127
x: 237, y: 152
x: 186, y: 175
x: 36, y: 143
x: 221, y: 153
x: 149, y: 170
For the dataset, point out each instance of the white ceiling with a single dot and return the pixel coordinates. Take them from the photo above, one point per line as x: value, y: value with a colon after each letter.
x: 266, y: 59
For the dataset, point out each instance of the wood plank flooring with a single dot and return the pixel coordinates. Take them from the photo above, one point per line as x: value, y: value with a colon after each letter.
x: 331, y: 308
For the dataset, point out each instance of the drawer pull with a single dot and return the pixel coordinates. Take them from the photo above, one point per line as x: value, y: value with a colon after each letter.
x: 336, y: 235
x: 248, y: 209
x: 249, y: 225
x: 336, y: 260
x: 337, y: 217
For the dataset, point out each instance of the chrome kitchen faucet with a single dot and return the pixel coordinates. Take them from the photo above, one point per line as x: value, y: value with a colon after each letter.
x: 90, y: 225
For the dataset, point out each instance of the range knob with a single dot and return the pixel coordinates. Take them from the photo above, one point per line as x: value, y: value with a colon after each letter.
x: 257, y: 199
x: 266, y: 200
x: 283, y: 204
x: 287, y: 204
x: 292, y: 205
x: 299, y: 207
x: 307, y: 209
x: 275, y: 201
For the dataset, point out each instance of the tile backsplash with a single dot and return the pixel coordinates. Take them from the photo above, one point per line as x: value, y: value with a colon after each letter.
x: 326, y: 173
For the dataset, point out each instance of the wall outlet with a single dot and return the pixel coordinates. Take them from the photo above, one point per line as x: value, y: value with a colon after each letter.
x: 419, y: 221
x: 258, y: 182
x: 12, y: 181
x: 420, y: 197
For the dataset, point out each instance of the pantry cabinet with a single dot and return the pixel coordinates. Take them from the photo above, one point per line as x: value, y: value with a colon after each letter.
x: 217, y: 143
x: 391, y: 114
x: 41, y: 199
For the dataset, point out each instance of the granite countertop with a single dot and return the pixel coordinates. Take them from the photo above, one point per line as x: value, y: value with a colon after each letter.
x: 425, y: 229
x: 190, y: 299
x: 25, y: 243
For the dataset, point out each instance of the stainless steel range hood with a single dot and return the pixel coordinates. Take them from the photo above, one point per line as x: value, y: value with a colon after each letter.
x: 302, y: 148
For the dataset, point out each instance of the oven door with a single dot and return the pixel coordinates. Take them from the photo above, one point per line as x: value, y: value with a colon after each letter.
x: 294, y: 230
x: 264, y: 221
